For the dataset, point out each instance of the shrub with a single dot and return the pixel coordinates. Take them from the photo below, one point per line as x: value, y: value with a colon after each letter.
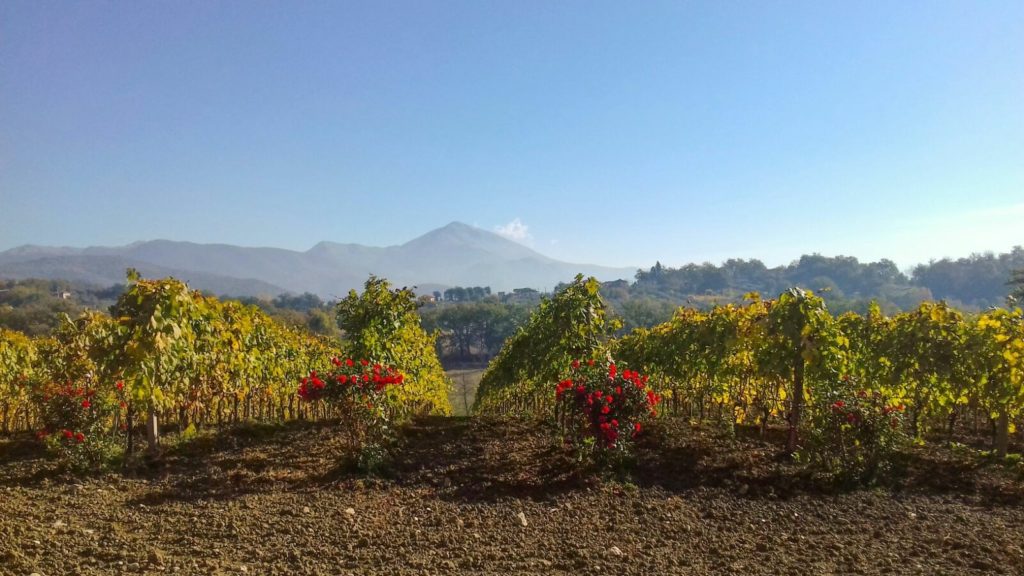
x: 359, y: 393
x: 77, y: 424
x: 601, y: 408
x: 854, y: 435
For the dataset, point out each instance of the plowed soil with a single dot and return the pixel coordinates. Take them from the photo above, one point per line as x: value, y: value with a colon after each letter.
x: 483, y: 496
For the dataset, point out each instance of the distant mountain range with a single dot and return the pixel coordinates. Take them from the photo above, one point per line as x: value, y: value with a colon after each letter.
x: 455, y: 255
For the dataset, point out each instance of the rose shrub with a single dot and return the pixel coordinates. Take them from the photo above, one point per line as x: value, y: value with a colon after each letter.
x: 601, y: 408
x: 854, y: 435
x: 78, y: 424
x: 358, y: 391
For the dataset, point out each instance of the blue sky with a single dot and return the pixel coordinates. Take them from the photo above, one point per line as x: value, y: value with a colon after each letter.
x: 599, y: 132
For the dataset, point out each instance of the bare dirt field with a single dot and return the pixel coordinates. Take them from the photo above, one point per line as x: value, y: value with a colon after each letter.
x: 486, y: 496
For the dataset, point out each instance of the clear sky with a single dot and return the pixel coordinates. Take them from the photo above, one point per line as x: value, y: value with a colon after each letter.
x: 617, y: 133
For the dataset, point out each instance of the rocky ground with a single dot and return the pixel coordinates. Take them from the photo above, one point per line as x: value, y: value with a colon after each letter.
x: 480, y: 496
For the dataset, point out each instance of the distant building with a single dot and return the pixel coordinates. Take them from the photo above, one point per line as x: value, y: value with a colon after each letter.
x: 616, y: 284
x: 522, y: 295
x: 63, y: 295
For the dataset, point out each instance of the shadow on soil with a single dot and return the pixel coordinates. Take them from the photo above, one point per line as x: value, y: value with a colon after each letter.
x: 486, y: 459
x: 244, y: 459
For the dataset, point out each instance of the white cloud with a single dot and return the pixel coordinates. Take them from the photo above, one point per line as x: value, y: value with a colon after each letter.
x: 515, y: 231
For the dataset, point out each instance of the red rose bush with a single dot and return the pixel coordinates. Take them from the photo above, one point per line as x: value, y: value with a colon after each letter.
x: 77, y: 424
x: 358, y: 391
x: 601, y: 408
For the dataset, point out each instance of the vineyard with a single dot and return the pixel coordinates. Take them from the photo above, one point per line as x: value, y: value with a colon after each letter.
x: 726, y: 440
x: 931, y: 372
x: 167, y: 356
x: 170, y: 357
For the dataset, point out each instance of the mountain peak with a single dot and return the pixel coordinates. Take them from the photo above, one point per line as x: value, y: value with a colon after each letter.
x: 456, y: 225
x: 457, y: 254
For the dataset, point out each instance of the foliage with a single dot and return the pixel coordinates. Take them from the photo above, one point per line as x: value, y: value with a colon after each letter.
x: 1016, y: 284
x: 472, y: 329
x: 36, y: 307
x: 382, y: 324
x: 571, y: 324
x: 1000, y: 354
x: 17, y: 373
x: 854, y: 436
x: 976, y: 282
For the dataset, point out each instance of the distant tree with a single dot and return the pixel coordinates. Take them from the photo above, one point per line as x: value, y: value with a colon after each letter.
x: 473, y: 328
x: 1016, y: 283
x: 303, y: 302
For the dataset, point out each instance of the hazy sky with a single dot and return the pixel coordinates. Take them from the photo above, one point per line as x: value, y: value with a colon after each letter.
x: 617, y: 133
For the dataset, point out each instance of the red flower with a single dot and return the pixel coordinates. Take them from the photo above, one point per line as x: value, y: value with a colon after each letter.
x: 575, y: 364
x: 79, y: 437
x: 348, y: 362
x: 67, y: 433
x: 364, y: 362
x: 86, y: 404
x: 612, y: 370
x: 636, y: 427
x: 652, y: 398
x: 590, y: 362
x: 120, y: 385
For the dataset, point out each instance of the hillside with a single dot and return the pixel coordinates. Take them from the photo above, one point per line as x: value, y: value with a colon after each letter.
x: 456, y: 254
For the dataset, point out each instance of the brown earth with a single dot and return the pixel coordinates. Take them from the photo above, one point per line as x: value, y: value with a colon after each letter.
x: 482, y: 496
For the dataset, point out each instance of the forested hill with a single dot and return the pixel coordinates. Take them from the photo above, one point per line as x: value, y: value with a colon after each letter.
x: 976, y: 282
